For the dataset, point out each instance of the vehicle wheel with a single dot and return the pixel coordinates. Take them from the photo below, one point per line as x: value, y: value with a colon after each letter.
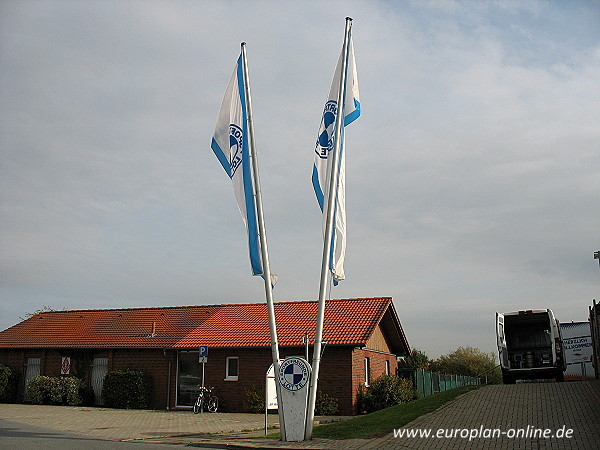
x: 197, y: 405
x: 213, y: 404
x: 560, y: 377
x: 507, y: 379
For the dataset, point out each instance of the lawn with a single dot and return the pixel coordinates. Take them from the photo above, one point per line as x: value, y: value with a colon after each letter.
x: 385, y: 420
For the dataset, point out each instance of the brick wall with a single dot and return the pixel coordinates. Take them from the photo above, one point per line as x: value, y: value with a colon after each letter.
x: 50, y: 363
x: 152, y: 361
x: 252, y: 368
x: 377, y: 365
x: 342, y: 371
x: 334, y: 379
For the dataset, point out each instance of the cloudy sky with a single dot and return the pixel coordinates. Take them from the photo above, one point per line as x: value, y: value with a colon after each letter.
x: 473, y: 174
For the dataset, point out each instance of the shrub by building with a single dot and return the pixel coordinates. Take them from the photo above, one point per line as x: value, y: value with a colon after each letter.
x: 45, y: 390
x: 386, y: 391
x: 8, y: 384
x: 127, y: 389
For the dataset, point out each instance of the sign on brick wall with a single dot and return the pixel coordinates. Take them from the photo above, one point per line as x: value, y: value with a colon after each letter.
x: 65, y: 365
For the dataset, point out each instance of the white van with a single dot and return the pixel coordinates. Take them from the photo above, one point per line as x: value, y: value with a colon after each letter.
x: 529, y: 345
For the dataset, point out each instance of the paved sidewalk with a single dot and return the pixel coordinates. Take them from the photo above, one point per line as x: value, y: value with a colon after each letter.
x: 120, y: 424
x: 173, y: 427
x: 129, y: 425
x: 573, y: 405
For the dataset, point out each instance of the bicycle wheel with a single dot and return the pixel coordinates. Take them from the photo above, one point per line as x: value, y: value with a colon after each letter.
x: 197, y: 405
x: 213, y: 404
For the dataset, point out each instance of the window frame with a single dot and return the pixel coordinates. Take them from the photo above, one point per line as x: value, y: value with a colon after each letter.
x: 228, y: 376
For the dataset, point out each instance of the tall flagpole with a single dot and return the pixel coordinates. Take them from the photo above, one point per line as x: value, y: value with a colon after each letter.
x: 262, y: 236
x: 328, y: 238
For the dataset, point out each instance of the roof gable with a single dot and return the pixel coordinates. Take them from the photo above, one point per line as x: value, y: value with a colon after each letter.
x: 347, y: 322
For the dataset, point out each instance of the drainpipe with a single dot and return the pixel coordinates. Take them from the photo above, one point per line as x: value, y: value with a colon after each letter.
x: 168, y: 380
x: 305, y: 341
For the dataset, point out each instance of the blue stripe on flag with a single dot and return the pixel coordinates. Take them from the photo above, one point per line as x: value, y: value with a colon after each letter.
x: 353, y: 115
x: 317, y: 187
x: 253, y: 244
x: 221, y: 157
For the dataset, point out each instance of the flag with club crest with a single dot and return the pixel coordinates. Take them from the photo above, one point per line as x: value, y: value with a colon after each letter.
x: 324, y: 147
x: 230, y: 144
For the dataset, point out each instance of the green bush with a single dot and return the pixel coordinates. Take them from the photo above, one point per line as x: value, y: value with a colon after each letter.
x: 38, y: 389
x: 127, y: 389
x: 72, y: 389
x: 325, y: 405
x: 58, y: 391
x: 8, y: 384
x: 385, y: 391
x: 45, y: 390
x: 254, y: 400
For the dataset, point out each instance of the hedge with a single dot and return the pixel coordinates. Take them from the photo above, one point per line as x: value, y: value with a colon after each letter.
x: 385, y: 391
x: 8, y: 384
x: 127, y: 389
x: 326, y: 405
x: 254, y: 401
x: 45, y: 390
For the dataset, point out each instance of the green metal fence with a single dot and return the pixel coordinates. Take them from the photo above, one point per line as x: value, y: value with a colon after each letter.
x: 428, y: 383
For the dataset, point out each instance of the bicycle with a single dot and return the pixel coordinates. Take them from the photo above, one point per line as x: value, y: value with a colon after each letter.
x: 206, y: 397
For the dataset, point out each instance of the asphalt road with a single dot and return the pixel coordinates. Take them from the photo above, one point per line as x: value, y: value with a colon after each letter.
x: 16, y: 435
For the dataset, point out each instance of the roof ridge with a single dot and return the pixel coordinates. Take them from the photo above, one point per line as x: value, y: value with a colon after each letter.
x: 350, y: 322
x: 141, y: 308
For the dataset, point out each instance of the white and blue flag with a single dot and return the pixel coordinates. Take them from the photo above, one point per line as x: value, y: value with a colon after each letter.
x: 325, y: 144
x: 230, y: 144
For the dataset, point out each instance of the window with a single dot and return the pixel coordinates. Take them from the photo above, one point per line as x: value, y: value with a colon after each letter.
x: 99, y: 371
x: 32, y: 370
x: 387, y: 367
x: 231, y: 368
x: 367, y: 371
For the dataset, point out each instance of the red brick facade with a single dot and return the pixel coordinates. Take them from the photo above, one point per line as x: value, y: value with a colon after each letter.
x: 342, y: 371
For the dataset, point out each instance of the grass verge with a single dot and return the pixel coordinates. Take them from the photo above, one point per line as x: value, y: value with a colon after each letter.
x: 383, y: 421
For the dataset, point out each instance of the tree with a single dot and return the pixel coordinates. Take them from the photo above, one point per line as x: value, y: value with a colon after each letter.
x: 467, y: 361
x: 416, y: 360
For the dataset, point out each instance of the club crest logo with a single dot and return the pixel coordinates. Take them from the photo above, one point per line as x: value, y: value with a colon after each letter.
x: 294, y: 374
x: 236, y: 143
x: 325, y: 139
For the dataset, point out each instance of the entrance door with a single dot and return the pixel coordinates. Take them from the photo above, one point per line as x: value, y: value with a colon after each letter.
x: 32, y: 370
x: 189, y: 377
x: 99, y: 371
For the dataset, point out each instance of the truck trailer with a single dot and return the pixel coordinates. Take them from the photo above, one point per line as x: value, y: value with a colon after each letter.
x: 530, y: 345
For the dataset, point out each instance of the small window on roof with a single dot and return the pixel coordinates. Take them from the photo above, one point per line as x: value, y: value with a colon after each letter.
x: 232, y: 368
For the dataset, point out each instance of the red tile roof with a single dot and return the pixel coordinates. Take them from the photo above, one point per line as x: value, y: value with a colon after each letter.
x: 347, y: 322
